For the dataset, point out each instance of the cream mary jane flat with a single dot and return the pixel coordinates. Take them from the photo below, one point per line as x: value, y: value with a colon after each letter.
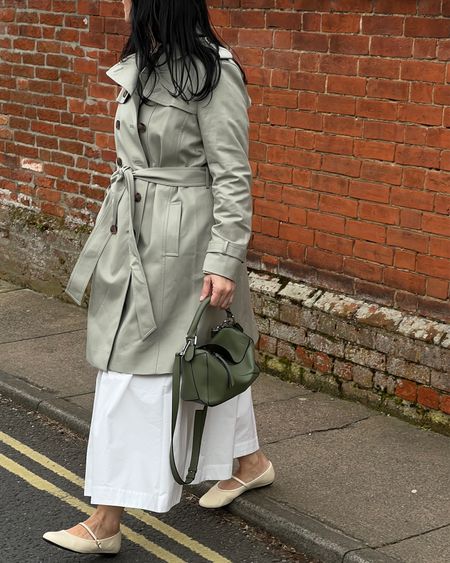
x: 66, y: 540
x: 217, y: 497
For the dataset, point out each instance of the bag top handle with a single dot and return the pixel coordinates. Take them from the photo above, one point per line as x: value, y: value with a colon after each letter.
x: 192, y: 331
x: 200, y: 310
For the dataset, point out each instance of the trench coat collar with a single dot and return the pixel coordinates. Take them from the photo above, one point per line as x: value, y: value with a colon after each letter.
x: 126, y: 73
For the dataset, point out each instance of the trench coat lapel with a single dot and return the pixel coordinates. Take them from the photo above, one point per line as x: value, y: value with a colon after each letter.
x: 126, y: 74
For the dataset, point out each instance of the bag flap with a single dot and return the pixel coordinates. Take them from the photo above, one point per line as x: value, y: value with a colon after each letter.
x: 234, y: 341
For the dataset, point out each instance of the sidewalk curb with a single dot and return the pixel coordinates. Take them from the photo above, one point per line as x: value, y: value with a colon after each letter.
x: 72, y: 416
x: 305, y: 533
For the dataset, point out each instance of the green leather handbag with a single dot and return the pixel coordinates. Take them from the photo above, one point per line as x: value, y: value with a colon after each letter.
x: 210, y: 375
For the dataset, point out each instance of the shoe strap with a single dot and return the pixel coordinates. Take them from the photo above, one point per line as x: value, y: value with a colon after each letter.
x: 94, y: 537
x: 239, y: 481
x: 246, y: 484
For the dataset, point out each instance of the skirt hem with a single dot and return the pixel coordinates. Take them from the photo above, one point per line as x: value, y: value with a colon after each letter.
x: 112, y: 496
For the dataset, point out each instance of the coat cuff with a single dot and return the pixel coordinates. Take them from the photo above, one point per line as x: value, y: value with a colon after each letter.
x: 223, y: 246
x: 222, y: 265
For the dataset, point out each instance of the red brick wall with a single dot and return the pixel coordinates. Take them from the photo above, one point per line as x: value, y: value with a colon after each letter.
x: 350, y: 139
x: 56, y: 103
x: 350, y: 143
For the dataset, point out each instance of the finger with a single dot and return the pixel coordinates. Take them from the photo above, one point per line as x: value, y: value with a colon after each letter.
x: 229, y: 301
x: 217, y: 296
x: 225, y: 299
x: 206, y: 287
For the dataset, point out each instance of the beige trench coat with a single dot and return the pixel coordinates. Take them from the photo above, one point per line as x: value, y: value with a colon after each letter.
x: 178, y: 205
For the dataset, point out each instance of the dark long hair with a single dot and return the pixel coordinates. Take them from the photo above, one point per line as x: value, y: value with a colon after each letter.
x: 168, y: 28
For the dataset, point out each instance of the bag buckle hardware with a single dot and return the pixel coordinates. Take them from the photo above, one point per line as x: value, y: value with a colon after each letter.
x: 189, y: 340
x: 229, y: 321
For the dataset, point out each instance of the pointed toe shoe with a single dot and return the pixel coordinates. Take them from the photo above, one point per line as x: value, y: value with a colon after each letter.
x: 66, y: 540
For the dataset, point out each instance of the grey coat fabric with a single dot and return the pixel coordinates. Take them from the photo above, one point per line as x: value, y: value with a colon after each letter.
x: 178, y: 205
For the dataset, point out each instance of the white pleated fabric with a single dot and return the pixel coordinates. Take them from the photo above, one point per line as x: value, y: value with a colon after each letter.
x: 127, y: 460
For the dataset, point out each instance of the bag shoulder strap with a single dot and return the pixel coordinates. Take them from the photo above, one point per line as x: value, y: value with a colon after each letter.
x: 199, y: 424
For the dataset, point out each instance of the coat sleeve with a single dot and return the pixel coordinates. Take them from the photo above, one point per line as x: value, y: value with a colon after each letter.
x: 223, y: 122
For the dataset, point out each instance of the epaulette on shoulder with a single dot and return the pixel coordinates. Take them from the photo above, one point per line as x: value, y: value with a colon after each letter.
x: 225, y: 53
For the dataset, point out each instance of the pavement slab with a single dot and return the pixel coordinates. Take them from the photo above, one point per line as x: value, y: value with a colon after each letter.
x: 7, y: 286
x: 279, y: 420
x: 423, y: 547
x: 268, y: 388
x: 44, y: 360
x: 84, y: 401
x: 370, y: 479
x: 27, y: 314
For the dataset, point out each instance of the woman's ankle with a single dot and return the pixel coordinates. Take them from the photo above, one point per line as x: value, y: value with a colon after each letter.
x: 253, y: 460
x: 106, y: 518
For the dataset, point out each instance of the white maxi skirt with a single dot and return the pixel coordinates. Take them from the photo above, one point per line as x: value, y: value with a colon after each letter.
x: 127, y: 459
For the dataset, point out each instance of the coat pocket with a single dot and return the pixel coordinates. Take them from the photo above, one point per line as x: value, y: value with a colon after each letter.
x: 172, y: 231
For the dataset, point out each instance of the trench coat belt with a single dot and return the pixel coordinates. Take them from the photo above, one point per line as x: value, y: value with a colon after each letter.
x: 123, y: 180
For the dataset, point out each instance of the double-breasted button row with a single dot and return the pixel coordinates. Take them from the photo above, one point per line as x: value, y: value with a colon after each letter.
x: 117, y: 123
x: 137, y: 196
x: 119, y: 161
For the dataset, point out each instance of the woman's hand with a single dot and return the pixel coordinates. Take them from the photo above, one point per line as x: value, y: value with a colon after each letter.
x: 220, y: 288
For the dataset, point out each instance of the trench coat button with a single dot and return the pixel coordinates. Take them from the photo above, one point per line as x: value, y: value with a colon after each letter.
x: 119, y: 161
x: 118, y: 124
x: 137, y: 196
x: 141, y: 127
x: 113, y: 229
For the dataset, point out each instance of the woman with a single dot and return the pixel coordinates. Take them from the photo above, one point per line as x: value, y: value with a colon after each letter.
x: 173, y: 228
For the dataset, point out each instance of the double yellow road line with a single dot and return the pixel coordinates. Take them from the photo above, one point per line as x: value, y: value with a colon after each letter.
x: 140, y: 540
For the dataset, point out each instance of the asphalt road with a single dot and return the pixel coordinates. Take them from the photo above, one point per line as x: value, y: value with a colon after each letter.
x: 41, y: 471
